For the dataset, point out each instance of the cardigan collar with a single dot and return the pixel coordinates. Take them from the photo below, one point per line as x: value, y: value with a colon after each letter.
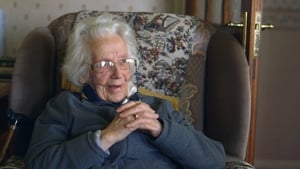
x: 90, y: 94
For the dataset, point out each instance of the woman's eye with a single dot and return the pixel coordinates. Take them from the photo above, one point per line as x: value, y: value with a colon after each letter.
x: 106, y: 64
x: 122, y: 61
x: 103, y: 64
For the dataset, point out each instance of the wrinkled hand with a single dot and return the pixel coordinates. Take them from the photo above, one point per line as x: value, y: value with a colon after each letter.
x: 144, y: 117
x: 130, y: 117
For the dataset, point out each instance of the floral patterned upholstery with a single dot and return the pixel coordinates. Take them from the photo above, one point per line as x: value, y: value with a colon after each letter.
x: 13, y: 162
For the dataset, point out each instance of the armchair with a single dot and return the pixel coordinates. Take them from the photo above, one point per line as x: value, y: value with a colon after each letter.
x: 183, y: 57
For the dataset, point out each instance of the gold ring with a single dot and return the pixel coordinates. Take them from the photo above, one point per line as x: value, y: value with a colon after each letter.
x: 136, y: 116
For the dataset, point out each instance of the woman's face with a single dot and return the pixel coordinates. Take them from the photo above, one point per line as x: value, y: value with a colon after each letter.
x: 110, y: 82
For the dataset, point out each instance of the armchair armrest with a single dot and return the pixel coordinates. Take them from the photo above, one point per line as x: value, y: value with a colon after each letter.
x: 227, y: 94
x: 36, y: 52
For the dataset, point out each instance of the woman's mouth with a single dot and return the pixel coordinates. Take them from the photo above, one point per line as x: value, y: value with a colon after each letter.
x: 114, y: 88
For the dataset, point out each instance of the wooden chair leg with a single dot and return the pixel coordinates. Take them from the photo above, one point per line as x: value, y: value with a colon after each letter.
x: 7, y: 140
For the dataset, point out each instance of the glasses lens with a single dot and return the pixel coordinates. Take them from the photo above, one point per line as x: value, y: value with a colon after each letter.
x: 127, y: 64
x: 123, y: 64
x: 102, y: 66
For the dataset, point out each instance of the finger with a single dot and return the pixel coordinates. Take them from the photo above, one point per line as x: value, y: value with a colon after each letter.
x: 148, y: 115
x: 127, y: 106
x: 139, y: 108
x: 140, y: 114
x: 139, y: 120
x: 144, y: 124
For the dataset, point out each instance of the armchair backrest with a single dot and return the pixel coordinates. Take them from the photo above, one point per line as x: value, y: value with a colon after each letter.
x: 181, y: 56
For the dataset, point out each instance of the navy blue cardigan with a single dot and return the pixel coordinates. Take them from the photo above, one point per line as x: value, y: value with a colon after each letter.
x: 64, y: 137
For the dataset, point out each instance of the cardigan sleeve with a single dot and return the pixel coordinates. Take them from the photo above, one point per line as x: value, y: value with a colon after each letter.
x: 52, y: 147
x: 186, y: 146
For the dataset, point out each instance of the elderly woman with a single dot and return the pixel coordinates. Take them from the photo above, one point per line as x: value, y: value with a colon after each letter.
x: 108, y: 125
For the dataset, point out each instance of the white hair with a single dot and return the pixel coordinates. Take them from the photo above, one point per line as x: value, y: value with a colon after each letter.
x: 79, y: 53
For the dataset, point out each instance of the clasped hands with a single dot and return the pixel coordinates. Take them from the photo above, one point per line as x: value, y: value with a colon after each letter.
x: 134, y: 115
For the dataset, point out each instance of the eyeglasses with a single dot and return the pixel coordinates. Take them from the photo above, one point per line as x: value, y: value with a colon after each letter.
x: 105, y: 65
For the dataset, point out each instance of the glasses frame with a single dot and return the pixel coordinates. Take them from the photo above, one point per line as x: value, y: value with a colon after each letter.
x: 108, y: 65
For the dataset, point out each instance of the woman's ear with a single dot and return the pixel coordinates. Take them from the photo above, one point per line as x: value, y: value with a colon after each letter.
x: 84, y: 79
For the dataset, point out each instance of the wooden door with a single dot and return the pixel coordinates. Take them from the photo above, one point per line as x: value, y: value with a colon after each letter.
x: 254, y: 10
x: 244, y: 19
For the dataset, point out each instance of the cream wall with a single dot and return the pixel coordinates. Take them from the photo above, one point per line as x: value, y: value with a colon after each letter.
x: 21, y: 16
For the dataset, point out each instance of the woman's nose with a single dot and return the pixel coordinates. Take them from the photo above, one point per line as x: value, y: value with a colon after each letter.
x: 115, y: 71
